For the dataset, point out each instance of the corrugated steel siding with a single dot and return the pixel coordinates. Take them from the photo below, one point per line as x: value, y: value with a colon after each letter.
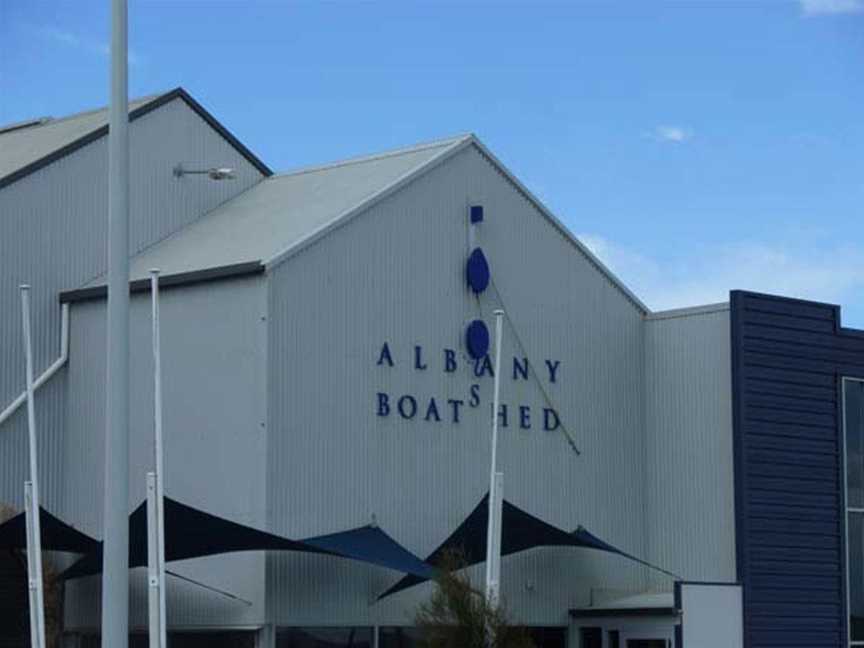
x: 213, y: 338
x: 396, y: 274
x: 53, y: 236
x: 689, y: 463
x: 788, y: 356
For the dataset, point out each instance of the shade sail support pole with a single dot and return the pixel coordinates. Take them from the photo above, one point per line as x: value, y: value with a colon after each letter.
x: 493, y: 531
x: 159, y: 640
x: 31, y: 493
x: 34, y: 572
x: 154, y: 618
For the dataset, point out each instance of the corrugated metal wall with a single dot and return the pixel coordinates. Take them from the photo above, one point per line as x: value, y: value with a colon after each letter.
x: 53, y: 229
x: 396, y: 275
x: 689, y: 462
x: 213, y: 340
x: 789, y: 358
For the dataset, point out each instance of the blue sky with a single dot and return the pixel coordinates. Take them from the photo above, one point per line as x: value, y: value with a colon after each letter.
x: 695, y: 146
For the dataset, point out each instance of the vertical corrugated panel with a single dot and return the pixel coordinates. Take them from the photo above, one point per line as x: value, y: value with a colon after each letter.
x: 213, y: 377
x: 689, y: 461
x: 52, y: 235
x: 789, y: 356
x: 53, y: 228
x: 396, y: 274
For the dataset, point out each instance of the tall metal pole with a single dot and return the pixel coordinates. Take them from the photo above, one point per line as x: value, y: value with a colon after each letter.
x: 156, y: 520
x: 115, y: 579
x: 493, y: 529
x: 31, y: 493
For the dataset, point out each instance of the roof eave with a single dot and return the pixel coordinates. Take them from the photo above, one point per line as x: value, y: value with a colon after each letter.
x: 180, y: 279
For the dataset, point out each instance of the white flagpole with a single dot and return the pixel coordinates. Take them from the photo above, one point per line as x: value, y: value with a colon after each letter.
x: 31, y: 495
x: 158, y: 636
x: 154, y: 626
x: 493, y: 529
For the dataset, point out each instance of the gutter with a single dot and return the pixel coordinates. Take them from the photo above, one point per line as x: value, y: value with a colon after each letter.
x: 49, y: 372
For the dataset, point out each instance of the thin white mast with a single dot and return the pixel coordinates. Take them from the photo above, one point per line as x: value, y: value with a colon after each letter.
x: 493, y: 531
x: 156, y: 489
x: 31, y: 495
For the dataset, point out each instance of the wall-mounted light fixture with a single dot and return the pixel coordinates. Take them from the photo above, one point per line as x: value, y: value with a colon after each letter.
x: 214, y: 173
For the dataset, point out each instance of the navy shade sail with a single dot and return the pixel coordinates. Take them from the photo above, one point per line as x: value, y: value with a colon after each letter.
x: 519, y: 531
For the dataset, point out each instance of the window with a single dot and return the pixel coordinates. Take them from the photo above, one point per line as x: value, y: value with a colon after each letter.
x: 345, y: 637
x: 853, y: 424
x: 614, y: 639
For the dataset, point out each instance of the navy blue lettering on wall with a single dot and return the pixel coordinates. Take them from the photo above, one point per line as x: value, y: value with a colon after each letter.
x: 483, y: 367
x: 552, y: 366
x: 520, y: 368
x: 385, y: 356
x: 418, y: 358
x: 407, y: 406
x: 449, y: 360
x: 432, y: 411
x: 551, y: 422
x: 383, y: 404
x: 788, y: 357
x: 524, y: 417
x: 455, y: 404
x: 502, y: 414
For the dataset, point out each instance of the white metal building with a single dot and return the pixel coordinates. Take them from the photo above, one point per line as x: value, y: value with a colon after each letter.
x: 316, y: 375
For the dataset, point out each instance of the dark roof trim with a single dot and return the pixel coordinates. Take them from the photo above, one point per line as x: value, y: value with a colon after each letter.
x: 177, y: 93
x: 584, y: 613
x: 169, y: 281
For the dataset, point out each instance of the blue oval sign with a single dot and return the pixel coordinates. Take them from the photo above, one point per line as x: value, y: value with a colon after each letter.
x: 477, y: 271
x: 477, y: 339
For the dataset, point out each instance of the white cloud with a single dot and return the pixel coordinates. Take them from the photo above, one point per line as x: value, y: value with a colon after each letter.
x: 674, y: 134
x: 832, y: 275
x: 68, y: 39
x: 831, y: 7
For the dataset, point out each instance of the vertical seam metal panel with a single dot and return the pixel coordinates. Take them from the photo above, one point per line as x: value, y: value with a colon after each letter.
x: 789, y: 356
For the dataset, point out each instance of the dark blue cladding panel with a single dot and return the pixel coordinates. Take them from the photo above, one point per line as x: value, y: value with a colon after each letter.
x: 787, y: 360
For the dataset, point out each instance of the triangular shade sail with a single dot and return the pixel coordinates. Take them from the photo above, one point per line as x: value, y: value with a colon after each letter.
x: 56, y: 534
x: 190, y: 533
x: 519, y: 531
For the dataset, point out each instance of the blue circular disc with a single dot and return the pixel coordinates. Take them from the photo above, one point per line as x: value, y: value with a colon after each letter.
x: 477, y: 339
x: 477, y: 271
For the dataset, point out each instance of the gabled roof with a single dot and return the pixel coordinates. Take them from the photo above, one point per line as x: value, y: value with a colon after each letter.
x: 28, y: 146
x: 283, y: 214
x: 276, y: 215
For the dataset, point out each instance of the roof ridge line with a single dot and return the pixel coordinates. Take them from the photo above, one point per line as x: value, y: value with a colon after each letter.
x: 367, y: 202
x: 449, y: 141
